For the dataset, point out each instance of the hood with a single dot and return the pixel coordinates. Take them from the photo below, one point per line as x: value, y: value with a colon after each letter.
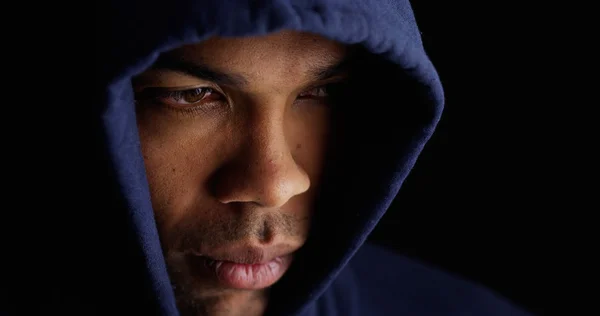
x: 381, y: 152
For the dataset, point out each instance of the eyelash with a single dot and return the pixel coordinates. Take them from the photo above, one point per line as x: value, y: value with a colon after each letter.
x: 158, y: 96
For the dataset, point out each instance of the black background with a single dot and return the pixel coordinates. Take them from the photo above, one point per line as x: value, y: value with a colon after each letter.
x: 482, y: 200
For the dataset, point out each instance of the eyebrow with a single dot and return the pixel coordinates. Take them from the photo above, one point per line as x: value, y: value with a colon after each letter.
x: 329, y: 71
x: 168, y: 62
x: 204, y: 72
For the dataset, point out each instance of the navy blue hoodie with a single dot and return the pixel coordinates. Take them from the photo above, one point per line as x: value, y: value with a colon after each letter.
x: 336, y: 273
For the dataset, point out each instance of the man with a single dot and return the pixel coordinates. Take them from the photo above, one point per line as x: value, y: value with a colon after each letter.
x: 233, y: 134
x: 251, y: 147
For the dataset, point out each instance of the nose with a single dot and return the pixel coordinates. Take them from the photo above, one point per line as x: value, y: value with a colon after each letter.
x: 263, y: 171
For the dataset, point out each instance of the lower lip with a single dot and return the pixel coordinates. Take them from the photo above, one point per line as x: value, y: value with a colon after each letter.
x: 249, y: 276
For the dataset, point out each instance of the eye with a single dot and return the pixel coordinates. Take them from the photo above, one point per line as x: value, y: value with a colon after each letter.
x: 201, y: 100
x: 315, y: 93
x: 189, y: 97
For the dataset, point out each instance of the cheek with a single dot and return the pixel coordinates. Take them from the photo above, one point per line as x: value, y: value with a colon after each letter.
x: 308, y: 135
x: 179, y: 156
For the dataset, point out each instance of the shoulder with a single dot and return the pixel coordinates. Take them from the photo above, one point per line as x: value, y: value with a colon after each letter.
x: 386, y: 283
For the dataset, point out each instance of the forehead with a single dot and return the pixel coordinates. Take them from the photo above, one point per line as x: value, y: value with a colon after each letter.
x: 285, y: 55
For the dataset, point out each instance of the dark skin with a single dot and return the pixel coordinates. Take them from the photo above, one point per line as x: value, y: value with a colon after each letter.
x: 235, y: 157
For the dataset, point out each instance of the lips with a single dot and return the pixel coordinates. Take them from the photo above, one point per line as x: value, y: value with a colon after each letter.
x: 248, y: 276
x: 247, y: 268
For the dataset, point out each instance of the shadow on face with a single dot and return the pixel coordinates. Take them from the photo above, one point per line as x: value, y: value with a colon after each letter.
x: 234, y: 133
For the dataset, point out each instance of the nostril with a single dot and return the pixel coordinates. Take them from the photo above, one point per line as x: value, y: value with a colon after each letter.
x: 264, y: 177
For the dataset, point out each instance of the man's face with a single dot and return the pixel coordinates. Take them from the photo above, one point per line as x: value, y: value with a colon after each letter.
x: 233, y: 134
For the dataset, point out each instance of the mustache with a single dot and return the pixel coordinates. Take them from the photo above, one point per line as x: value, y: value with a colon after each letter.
x: 214, y: 231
